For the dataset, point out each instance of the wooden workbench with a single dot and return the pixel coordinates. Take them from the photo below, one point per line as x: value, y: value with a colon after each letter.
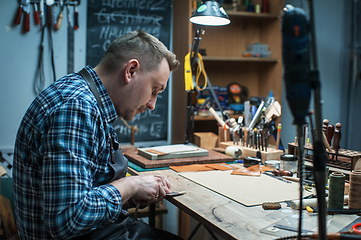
x: 227, y: 218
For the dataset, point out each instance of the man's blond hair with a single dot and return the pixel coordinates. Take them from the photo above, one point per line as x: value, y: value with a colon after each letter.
x: 144, y: 47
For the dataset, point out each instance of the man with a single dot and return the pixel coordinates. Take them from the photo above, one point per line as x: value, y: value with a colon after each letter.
x: 66, y: 180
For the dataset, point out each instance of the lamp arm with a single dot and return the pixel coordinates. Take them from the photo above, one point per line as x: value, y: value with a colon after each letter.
x: 193, y: 60
x: 195, y: 47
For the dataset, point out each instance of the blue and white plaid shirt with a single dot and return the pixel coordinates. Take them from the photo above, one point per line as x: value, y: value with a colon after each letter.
x: 61, y: 162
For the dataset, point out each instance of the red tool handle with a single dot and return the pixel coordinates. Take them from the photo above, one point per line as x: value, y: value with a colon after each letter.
x: 37, y: 19
x: 27, y: 23
x: 18, y: 15
x: 76, y: 25
x: 36, y: 14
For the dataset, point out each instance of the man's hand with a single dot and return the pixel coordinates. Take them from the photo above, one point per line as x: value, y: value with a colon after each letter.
x: 143, y: 189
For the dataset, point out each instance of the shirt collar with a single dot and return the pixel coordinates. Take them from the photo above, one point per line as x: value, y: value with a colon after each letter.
x: 108, y: 106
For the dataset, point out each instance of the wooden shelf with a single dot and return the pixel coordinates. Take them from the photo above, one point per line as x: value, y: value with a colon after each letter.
x: 224, y: 62
x: 239, y: 59
x: 244, y: 14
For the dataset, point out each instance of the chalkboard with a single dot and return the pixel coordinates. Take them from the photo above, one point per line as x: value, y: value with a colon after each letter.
x: 109, y: 19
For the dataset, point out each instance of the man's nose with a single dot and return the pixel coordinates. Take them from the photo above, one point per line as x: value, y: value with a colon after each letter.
x: 151, y: 103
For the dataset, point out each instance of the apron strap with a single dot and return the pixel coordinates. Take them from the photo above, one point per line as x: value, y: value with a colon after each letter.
x: 119, y: 163
x: 93, y: 88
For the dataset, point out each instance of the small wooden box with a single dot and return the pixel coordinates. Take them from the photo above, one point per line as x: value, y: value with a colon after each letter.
x: 271, y: 154
x: 206, y: 140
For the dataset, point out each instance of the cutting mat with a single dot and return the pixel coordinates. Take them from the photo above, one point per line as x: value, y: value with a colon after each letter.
x: 247, y: 190
x: 213, y: 157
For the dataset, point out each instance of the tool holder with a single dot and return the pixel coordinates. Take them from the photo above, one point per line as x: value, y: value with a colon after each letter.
x: 70, y: 3
x: 343, y: 158
x: 270, y: 154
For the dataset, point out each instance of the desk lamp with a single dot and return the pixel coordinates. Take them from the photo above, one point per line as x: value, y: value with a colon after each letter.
x: 208, y: 14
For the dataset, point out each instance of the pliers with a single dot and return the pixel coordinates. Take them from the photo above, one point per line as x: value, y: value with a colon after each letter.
x: 24, y: 6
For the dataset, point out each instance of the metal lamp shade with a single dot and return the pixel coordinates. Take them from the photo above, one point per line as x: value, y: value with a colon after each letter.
x: 210, y: 14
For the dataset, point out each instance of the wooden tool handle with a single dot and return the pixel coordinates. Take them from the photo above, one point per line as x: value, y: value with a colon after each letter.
x: 336, y: 140
x: 324, y: 140
x: 27, y: 22
x: 324, y: 126
x: 58, y: 23
x: 329, y: 134
x: 18, y: 16
x: 49, y: 15
x: 216, y: 116
x: 36, y: 14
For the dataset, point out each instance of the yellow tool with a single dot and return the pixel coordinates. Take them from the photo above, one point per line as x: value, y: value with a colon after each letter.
x: 188, y: 76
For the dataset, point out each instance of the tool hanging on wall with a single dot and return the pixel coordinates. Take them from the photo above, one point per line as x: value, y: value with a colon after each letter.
x: 24, y: 7
x: 40, y: 78
x: 76, y: 22
x: 50, y: 21
x: 36, y: 14
x: 71, y: 28
x: 60, y: 16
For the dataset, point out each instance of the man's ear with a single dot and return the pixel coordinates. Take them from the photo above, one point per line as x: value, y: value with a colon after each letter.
x: 131, y: 69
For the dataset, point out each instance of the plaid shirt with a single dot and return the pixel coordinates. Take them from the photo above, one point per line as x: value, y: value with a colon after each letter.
x: 61, y: 162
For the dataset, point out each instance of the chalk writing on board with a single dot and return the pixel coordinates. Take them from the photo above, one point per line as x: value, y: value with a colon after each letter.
x: 110, y: 19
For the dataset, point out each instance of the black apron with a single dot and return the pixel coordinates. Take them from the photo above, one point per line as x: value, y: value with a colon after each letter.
x: 125, y: 228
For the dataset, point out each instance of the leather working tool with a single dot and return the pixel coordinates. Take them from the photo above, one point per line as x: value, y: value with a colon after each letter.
x: 71, y: 27
x: 76, y: 22
x: 39, y: 83
x: 325, y: 125
x: 49, y: 13
x: 24, y: 7
x: 337, y: 137
x: 329, y: 135
x: 60, y: 16
x: 36, y: 14
x: 41, y: 12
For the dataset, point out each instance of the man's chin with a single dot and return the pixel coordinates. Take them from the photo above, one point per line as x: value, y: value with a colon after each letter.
x: 128, y: 117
